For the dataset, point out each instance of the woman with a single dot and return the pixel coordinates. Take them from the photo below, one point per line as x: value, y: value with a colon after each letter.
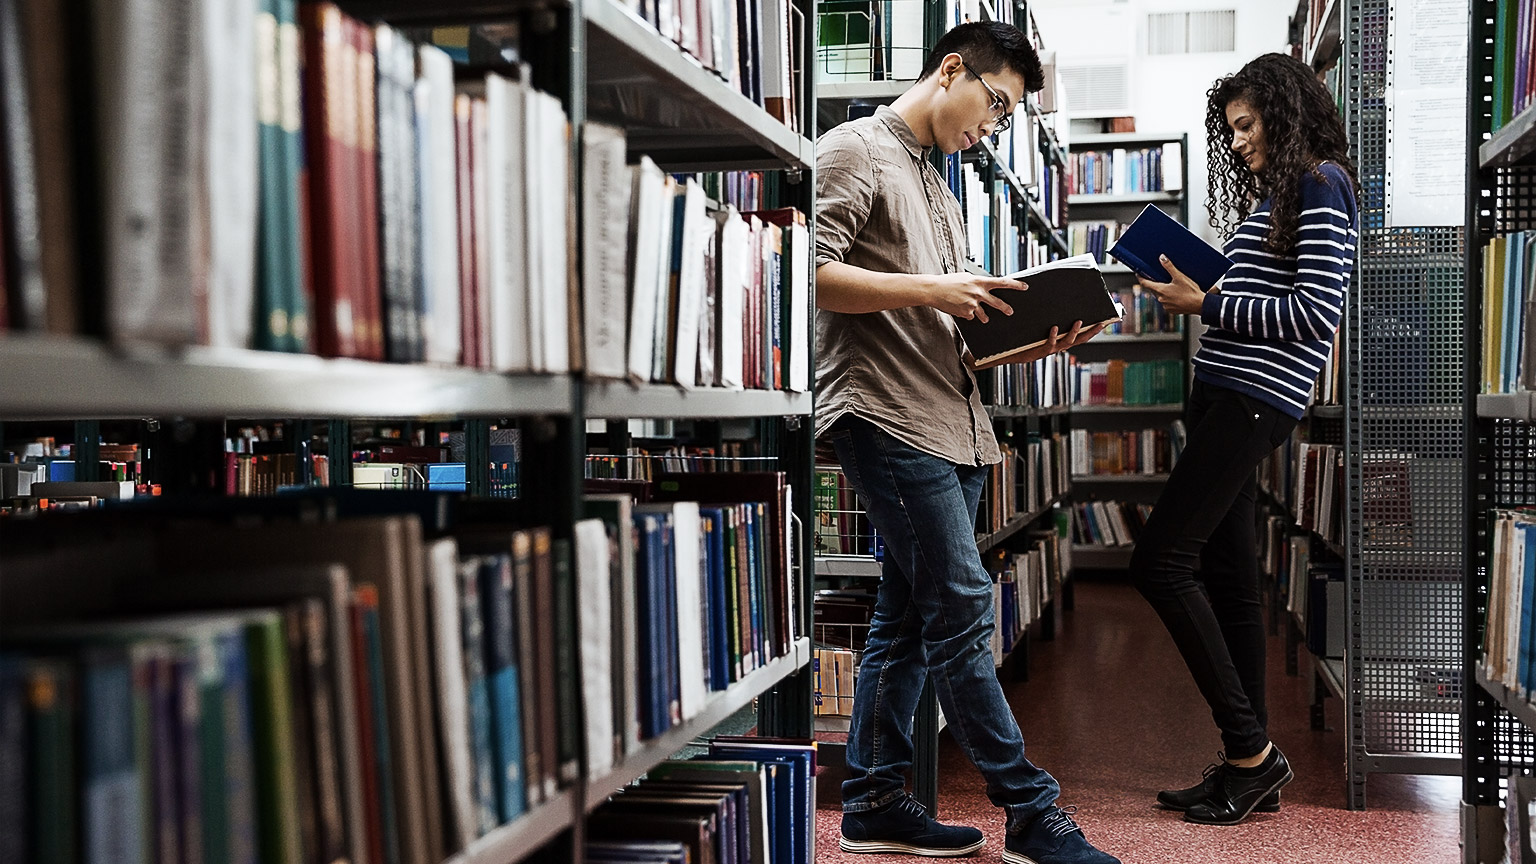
x: 1283, y: 189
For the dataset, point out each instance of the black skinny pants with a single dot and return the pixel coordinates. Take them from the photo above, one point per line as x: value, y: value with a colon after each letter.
x: 1196, y: 560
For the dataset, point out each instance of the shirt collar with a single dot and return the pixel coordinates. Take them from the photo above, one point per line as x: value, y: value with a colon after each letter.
x: 892, y: 120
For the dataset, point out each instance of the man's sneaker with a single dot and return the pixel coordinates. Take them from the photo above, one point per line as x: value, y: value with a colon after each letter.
x: 906, y: 828
x: 1183, y: 799
x: 1238, y: 792
x: 1053, y: 838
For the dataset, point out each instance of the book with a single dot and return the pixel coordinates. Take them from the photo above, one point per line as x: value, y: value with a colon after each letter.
x: 1156, y: 233
x: 1058, y: 294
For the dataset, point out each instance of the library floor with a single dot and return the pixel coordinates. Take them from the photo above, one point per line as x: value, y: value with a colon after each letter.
x: 1090, y: 717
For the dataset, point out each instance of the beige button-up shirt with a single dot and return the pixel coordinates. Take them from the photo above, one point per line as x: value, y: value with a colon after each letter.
x: 882, y: 206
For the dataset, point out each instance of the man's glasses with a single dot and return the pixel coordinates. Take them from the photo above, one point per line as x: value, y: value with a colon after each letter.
x: 999, y: 104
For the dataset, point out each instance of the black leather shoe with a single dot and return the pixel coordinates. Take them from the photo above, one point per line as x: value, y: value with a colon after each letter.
x: 1182, y: 799
x: 1236, y: 795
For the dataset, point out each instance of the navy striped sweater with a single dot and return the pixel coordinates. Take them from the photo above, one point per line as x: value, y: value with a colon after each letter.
x: 1272, y: 323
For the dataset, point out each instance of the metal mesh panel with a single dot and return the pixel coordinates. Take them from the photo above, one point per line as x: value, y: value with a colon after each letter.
x: 1513, y: 199
x: 1405, y: 446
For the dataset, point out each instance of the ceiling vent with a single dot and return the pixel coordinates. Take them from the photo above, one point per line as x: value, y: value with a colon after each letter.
x: 1192, y: 32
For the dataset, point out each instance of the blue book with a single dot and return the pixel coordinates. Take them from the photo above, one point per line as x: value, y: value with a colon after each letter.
x: 1156, y: 233
x: 114, y: 806
x: 790, y: 791
x: 446, y: 476
x: 502, y: 675
x: 647, y: 577
x: 719, y: 611
x: 478, y: 693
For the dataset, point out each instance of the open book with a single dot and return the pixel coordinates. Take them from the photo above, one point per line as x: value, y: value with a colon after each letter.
x: 1059, y: 294
x: 1156, y: 233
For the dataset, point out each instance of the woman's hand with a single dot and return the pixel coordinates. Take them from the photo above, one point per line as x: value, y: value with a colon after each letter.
x: 965, y: 296
x: 1181, y: 296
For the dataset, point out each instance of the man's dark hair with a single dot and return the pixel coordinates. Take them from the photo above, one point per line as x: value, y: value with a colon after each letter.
x: 987, y: 47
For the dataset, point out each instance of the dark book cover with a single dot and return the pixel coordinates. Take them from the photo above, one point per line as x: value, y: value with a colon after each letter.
x: 1156, y: 233
x: 501, y: 672
x: 1059, y: 294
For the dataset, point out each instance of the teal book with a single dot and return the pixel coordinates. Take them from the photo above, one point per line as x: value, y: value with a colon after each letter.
x: 368, y: 600
x: 502, y: 684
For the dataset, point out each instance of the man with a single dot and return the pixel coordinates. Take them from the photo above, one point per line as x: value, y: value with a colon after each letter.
x: 897, y: 401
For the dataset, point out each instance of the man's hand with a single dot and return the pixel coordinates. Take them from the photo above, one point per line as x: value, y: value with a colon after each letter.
x: 965, y: 296
x: 1181, y: 296
x: 1054, y: 344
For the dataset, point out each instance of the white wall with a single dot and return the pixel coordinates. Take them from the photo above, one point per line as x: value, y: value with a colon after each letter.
x: 1167, y: 91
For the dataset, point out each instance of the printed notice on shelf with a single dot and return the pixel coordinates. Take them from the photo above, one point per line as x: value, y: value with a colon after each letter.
x: 1426, y: 109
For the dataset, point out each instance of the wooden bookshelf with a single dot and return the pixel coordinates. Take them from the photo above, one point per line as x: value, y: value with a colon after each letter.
x: 721, y: 705
x: 83, y: 379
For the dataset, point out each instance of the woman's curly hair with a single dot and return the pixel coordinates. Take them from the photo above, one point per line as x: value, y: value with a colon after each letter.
x: 1302, y: 129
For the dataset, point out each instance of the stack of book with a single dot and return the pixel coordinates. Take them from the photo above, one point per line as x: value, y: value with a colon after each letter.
x: 1127, y: 451
x: 1124, y: 172
x: 1108, y: 523
x: 745, y: 799
x: 1514, y: 73
x: 1027, y: 583
x: 1318, y: 497
x: 1040, y: 384
x: 1121, y: 382
x: 1509, y: 654
x: 1509, y: 313
x: 712, y: 296
x: 1144, y: 314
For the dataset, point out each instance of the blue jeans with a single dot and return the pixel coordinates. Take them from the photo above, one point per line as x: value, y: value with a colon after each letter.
x: 933, y: 617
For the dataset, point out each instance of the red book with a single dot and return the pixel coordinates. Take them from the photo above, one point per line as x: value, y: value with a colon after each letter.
x: 364, y: 598
x: 469, y: 318
x: 326, y: 122
x: 371, y: 338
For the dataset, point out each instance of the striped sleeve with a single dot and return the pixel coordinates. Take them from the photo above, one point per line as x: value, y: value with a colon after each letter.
x: 1310, y: 308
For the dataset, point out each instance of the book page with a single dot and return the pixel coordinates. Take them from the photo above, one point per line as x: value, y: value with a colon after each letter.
x: 1426, y: 89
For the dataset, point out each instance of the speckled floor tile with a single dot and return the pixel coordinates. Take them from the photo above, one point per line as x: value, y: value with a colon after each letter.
x: 1111, y: 711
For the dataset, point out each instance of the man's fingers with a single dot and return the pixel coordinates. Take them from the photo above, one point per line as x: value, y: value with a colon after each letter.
x: 997, y: 303
x: 980, y: 314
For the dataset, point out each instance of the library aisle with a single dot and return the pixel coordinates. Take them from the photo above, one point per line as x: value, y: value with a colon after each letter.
x: 1078, y: 712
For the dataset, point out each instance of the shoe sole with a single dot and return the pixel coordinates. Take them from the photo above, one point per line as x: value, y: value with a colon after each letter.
x: 1258, y: 808
x: 904, y: 849
x: 1289, y: 775
x: 1016, y: 858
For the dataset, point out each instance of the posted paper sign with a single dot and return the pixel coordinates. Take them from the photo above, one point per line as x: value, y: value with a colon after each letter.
x: 1426, y: 100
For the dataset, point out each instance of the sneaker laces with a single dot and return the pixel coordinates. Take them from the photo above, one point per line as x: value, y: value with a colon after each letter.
x: 1059, y: 821
x: 911, y: 806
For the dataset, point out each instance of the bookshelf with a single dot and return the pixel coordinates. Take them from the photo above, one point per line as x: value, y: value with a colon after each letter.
x: 1113, y: 158
x: 602, y: 63
x: 1498, y: 720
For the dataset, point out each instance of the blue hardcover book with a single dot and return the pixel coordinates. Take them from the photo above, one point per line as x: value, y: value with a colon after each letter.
x: 1156, y: 233
x: 647, y: 578
x: 719, y: 611
x: 502, y: 673
x: 114, y: 806
x: 672, y: 690
x: 389, y: 824
x: 791, y: 811
x: 478, y: 694
x: 754, y: 587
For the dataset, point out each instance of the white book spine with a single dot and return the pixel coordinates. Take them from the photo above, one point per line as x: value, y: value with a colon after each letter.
x: 695, y: 226
x: 505, y: 141
x: 551, y: 326
x: 606, y: 192
x: 442, y: 324
x: 645, y: 249
x: 452, y: 696
x: 800, y: 309
x: 735, y: 271
x: 688, y: 545
x: 596, y: 635
x: 229, y: 45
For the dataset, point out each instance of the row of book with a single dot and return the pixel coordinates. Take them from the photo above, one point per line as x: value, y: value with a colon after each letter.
x: 743, y: 799
x: 1108, y: 523
x: 1314, y: 596
x: 413, y: 684
x: 1509, y: 313
x: 1514, y: 73
x: 1024, y: 587
x: 1124, y: 382
x: 1040, y: 384
x: 1028, y: 477
x: 1094, y: 238
x: 1143, y: 314
x: 746, y: 43
x: 1508, y: 654
x: 1122, y: 171
x: 1127, y: 451
x: 1317, y: 500
x: 680, y: 289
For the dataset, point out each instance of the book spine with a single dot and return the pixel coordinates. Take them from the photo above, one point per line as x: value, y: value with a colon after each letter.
x: 567, y: 691
x: 502, y: 675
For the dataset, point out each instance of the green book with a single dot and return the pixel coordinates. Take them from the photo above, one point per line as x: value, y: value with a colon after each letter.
x: 272, y: 733
x: 50, y: 695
